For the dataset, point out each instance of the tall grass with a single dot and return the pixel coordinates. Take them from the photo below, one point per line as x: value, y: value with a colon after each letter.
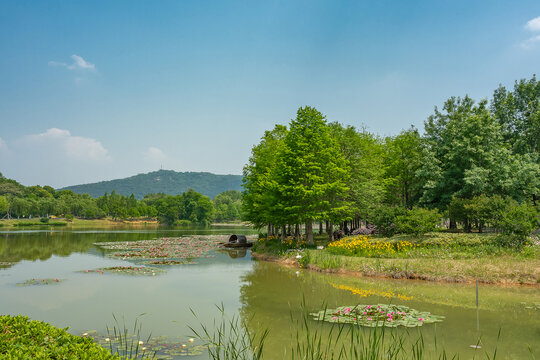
x: 230, y: 339
x: 128, y: 345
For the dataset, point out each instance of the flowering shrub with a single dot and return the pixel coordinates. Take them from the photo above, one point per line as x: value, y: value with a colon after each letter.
x: 362, y: 246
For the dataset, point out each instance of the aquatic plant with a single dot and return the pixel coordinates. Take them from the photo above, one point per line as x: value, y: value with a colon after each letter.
x: 230, y: 339
x: 47, y: 281
x: 377, y: 315
x: 168, y: 262
x: 170, y: 248
x: 127, y: 270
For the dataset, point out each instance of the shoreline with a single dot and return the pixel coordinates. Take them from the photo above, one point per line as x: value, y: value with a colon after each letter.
x: 400, y: 275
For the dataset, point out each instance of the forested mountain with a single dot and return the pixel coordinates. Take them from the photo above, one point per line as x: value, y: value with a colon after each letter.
x: 162, y: 181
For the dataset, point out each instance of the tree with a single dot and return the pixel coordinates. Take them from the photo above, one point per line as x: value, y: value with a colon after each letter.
x: 402, y: 160
x: 518, y: 113
x: 312, y: 172
x: 364, y: 155
x: 465, y: 156
x: 260, y: 198
x: 4, y: 205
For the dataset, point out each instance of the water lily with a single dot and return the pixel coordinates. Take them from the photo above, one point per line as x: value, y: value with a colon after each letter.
x: 191, y: 340
x: 140, y: 342
x: 107, y: 339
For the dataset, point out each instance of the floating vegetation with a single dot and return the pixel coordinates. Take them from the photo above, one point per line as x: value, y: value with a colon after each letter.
x: 168, y: 262
x: 377, y: 315
x: 168, y: 248
x: 127, y: 270
x: 162, y: 347
x: 47, y: 281
x: 370, y: 292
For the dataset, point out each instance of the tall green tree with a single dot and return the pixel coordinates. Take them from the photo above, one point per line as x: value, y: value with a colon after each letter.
x: 312, y: 172
x: 364, y: 153
x: 402, y: 160
x: 260, y: 198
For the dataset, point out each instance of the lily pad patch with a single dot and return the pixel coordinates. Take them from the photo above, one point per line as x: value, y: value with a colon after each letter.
x: 164, y: 248
x: 47, y: 281
x: 168, y: 262
x: 377, y: 316
x: 127, y: 270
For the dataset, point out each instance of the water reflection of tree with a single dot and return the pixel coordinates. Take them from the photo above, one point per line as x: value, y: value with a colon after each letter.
x: 15, y: 247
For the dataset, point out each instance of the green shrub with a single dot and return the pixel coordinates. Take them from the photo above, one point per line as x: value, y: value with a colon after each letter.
x: 21, y: 338
x: 517, y: 224
x: 418, y: 221
x: 69, y: 217
x: 384, y: 218
x: 44, y: 220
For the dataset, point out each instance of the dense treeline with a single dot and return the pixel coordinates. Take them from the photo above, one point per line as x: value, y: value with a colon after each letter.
x: 477, y: 164
x: 20, y: 201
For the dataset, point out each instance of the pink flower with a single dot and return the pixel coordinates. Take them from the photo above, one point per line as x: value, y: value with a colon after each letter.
x: 334, y: 318
x: 421, y: 319
x: 368, y: 307
x: 364, y: 313
x: 369, y: 319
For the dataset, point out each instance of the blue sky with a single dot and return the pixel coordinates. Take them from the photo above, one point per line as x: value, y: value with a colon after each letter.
x: 98, y: 90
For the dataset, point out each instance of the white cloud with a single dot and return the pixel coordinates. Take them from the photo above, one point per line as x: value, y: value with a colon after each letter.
x: 61, y: 143
x: 533, y: 25
x: 530, y: 42
x: 154, y: 155
x: 78, y: 64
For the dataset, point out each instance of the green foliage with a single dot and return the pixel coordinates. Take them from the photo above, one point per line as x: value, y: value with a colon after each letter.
x: 21, y: 338
x: 384, y: 218
x: 228, y: 206
x: 311, y: 173
x: 517, y: 224
x: 163, y: 181
x: 418, y: 221
x: 4, y: 205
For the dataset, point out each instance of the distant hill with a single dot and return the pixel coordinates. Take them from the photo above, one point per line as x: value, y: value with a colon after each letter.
x: 165, y: 181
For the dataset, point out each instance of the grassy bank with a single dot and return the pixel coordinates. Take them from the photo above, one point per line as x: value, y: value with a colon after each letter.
x: 451, y: 257
x: 75, y: 223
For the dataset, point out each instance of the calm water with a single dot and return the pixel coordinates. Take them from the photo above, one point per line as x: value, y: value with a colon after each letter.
x: 264, y: 294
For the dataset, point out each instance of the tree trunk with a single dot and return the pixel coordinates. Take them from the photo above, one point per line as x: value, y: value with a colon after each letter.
x: 289, y: 230
x: 296, y: 232
x: 309, y: 232
x: 320, y: 227
x: 327, y: 226
x: 268, y: 231
x: 283, y: 232
x: 330, y: 229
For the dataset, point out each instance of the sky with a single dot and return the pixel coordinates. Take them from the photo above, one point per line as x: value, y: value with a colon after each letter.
x: 98, y: 90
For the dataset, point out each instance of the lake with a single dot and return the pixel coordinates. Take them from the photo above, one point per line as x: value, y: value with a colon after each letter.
x: 264, y: 294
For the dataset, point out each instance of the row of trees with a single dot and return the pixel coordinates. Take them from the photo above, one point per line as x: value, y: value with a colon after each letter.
x: 312, y: 170
x: 19, y: 201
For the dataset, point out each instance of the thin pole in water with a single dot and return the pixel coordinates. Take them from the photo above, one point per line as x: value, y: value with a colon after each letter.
x: 476, y: 293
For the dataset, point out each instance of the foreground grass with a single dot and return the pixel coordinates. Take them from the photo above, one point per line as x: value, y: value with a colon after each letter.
x: 451, y: 257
